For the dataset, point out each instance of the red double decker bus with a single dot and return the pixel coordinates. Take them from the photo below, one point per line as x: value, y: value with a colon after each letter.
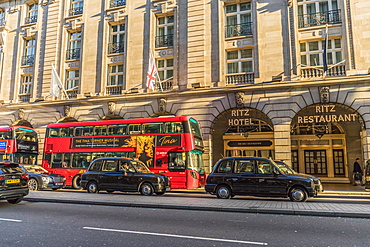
x: 168, y: 145
x: 18, y: 144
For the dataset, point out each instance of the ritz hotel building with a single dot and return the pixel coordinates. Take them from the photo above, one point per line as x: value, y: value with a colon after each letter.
x: 251, y: 72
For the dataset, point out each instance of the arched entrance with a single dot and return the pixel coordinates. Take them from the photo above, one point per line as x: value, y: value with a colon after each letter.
x: 242, y: 132
x: 325, y: 140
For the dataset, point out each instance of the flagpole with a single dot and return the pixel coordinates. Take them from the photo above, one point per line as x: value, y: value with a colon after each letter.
x: 159, y: 78
x: 325, y: 54
x: 59, y: 82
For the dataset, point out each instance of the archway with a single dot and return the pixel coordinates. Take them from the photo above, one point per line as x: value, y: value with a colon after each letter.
x: 22, y: 122
x: 242, y: 132
x: 326, y: 139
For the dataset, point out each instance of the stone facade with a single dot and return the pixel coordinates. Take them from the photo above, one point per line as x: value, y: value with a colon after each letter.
x: 197, y: 41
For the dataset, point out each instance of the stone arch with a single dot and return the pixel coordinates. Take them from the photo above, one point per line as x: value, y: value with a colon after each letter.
x: 67, y: 120
x: 22, y: 122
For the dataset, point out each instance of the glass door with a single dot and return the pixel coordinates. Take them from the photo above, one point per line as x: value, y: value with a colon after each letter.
x: 315, y: 162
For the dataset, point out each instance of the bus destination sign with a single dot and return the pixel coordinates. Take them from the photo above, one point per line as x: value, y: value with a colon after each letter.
x: 99, y: 142
x: 249, y: 143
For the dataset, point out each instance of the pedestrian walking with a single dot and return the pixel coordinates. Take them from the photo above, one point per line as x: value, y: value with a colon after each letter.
x: 357, y: 172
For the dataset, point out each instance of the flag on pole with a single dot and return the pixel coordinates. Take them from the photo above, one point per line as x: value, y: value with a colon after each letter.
x: 55, y: 84
x: 151, y: 73
x: 325, y: 55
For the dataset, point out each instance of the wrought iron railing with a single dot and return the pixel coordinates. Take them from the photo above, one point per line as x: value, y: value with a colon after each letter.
x: 164, y: 41
x: 73, y: 53
x: 30, y: 19
x: 117, y: 3
x: 72, y: 93
x: 320, y: 18
x: 28, y: 60
x: 76, y: 11
x: 116, y: 48
x: 311, y: 72
x: 113, y: 89
x: 240, y: 78
x: 237, y: 30
x: 24, y: 97
x: 164, y: 85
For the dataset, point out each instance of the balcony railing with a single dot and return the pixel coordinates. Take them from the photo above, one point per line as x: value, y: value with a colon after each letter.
x: 116, y: 48
x: 117, y: 3
x: 312, y: 72
x: 242, y: 78
x: 114, y: 90
x: 76, y: 11
x: 73, y: 54
x: 320, y: 18
x: 28, y: 60
x: 24, y: 97
x: 164, y: 41
x: 164, y: 85
x: 72, y: 93
x: 30, y: 19
x: 237, y: 30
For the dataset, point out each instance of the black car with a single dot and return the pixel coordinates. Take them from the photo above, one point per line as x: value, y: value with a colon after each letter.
x: 258, y: 177
x: 41, y: 179
x: 13, y: 182
x: 123, y: 174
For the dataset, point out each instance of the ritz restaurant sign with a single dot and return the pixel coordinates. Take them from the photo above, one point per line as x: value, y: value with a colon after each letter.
x: 327, y: 113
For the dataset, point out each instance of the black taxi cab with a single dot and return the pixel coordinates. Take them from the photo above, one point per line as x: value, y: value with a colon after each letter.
x: 259, y: 177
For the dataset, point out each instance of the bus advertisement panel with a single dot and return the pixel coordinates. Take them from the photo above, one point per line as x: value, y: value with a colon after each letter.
x: 18, y: 144
x: 172, y: 146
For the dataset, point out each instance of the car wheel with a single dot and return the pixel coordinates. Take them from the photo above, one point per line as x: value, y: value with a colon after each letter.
x: 146, y: 189
x: 76, y: 183
x: 160, y: 193
x: 92, y: 187
x: 298, y: 194
x: 223, y: 192
x: 33, y: 184
x: 15, y: 201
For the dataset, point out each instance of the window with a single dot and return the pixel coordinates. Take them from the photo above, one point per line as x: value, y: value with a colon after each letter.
x: 152, y: 128
x: 117, y: 3
x: 29, y: 52
x: 96, y: 166
x: 117, y: 39
x: 165, y: 73
x: 74, y: 46
x: 72, y: 82
x: 244, y: 166
x: 165, y: 31
x: 76, y: 7
x: 84, y: 131
x: 110, y: 166
x: 134, y: 129
x: 238, y: 20
x: 100, y: 130
x: 312, y: 52
x: 239, y: 61
x: 2, y: 17
x: 117, y: 129
x: 26, y: 83
x: 173, y: 127
x: 32, y: 11
x: 225, y: 166
x: 115, y: 79
x: 318, y: 12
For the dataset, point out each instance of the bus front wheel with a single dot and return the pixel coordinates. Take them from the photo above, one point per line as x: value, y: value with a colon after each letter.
x: 76, y: 182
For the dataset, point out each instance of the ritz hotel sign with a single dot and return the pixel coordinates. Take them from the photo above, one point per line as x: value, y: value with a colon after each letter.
x: 240, y: 117
x: 327, y: 114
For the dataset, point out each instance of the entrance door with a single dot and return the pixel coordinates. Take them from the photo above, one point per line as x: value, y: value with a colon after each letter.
x: 338, y: 156
x: 315, y: 162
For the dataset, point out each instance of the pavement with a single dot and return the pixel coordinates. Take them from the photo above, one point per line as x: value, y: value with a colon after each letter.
x: 354, y: 201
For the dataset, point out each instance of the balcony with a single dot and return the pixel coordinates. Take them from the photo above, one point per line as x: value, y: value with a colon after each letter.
x: 114, y: 90
x: 164, y: 41
x: 30, y: 19
x: 23, y: 98
x: 73, y: 54
x: 238, y: 30
x: 72, y: 93
x: 117, y: 3
x: 116, y: 48
x: 28, y: 60
x: 76, y: 11
x: 240, y: 78
x: 316, y: 72
x: 164, y: 85
x: 320, y: 18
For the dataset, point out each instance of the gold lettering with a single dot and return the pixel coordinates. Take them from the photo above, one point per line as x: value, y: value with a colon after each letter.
x: 318, y: 109
x: 166, y: 140
x: 332, y: 108
x: 299, y: 119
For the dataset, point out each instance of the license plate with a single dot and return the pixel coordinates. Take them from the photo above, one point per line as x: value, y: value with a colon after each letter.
x: 58, y: 184
x: 12, y: 181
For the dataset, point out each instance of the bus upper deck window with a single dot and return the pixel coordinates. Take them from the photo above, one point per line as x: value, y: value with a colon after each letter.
x: 174, y: 127
x: 54, y: 132
x: 134, y: 128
